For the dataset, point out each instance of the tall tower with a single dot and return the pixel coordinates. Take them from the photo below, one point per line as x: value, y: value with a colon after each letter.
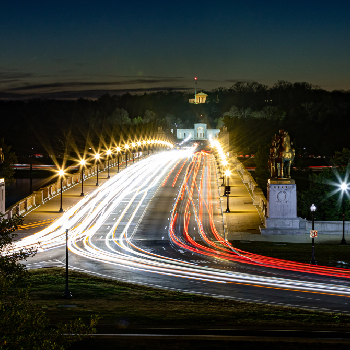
x: 195, y: 89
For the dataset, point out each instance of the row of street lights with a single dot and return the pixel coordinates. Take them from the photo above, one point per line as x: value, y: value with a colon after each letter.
x: 97, y: 157
x: 67, y: 294
x: 224, y: 163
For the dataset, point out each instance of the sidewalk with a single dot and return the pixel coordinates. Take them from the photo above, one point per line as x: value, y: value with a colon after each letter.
x: 243, y: 221
x: 43, y: 215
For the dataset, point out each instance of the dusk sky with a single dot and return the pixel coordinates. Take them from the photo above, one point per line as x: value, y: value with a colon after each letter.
x: 72, y: 49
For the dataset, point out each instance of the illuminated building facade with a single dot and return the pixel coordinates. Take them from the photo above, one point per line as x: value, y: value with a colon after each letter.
x: 199, y: 132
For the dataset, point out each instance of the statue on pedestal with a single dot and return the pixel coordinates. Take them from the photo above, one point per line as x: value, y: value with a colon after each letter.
x: 281, y: 156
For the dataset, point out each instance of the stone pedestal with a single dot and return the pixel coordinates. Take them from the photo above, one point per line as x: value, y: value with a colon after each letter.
x: 281, y: 198
x: 282, y: 208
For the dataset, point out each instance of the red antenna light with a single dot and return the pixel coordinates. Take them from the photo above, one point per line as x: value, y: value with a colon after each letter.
x: 195, y: 78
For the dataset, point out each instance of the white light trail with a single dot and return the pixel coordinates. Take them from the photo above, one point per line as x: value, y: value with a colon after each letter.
x: 130, y: 192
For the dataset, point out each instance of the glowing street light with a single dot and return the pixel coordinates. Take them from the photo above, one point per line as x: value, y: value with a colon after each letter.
x: 82, y: 163
x: 61, y: 174
x: 97, y: 157
x: 148, y: 143
x: 313, y: 209
x: 224, y: 163
x: 126, y: 154
x: 344, y: 188
x: 138, y: 146
x: 118, y: 150
x: 227, y: 189
x: 109, y: 152
x: 133, y: 151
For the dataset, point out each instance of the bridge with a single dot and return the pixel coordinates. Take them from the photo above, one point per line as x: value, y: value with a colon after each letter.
x: 162, y: 221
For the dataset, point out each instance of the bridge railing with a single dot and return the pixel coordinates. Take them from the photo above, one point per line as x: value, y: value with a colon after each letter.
x: 27, y: 204
x: 258, y: 197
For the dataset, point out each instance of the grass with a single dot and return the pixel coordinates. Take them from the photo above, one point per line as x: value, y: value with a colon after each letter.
x: 325, y: 254
x: 124, y: 305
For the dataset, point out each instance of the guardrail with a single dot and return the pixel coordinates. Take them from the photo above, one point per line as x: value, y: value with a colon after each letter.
x: 27, y: 204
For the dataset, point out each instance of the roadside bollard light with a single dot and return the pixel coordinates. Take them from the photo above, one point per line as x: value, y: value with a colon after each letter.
x: 313, y: 209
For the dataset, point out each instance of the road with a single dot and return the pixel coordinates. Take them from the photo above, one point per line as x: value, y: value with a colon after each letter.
x: 159, y: 223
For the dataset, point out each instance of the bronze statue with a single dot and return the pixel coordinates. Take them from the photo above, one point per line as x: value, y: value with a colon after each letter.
x: 281, y: 156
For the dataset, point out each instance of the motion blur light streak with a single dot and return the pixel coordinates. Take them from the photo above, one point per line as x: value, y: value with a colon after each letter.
x: 128, y: 194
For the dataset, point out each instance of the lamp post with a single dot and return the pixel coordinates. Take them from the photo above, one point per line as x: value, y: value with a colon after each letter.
x: 97, y: 157
x: 344, y: 188
x: 126, y: 155
x: 224, y: 163
x: 133, y: 151
x: 108, y: 154
x: 61, y: 173
x: 195, y: 89
x: 227, y: 189
x: 313, y: 209
x: 138, y: 148
x: 82, y: 163
x: 118, y: 150
x: 144, y: 143
x: 67, y: 294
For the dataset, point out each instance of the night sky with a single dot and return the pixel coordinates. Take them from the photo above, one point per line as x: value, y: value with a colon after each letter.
x: 71, y: 49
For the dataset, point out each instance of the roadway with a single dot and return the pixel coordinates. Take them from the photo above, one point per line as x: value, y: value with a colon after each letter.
x: 159, y: 223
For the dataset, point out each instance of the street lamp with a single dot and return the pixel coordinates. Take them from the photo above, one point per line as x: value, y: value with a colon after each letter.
x: 144, y: 143
x: 118, y: 150
x: 313, y: 209
x: 61, y: 174
x: 133, y: 151
x: 126, y: 155
x: 227, y: 189
x: 82, y: 163
x: 109, y: 152
x: 97, y: 157
x: 224, y: 163
x: 138, y: 147
x: 67, y: 294
x: 344, y: 187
